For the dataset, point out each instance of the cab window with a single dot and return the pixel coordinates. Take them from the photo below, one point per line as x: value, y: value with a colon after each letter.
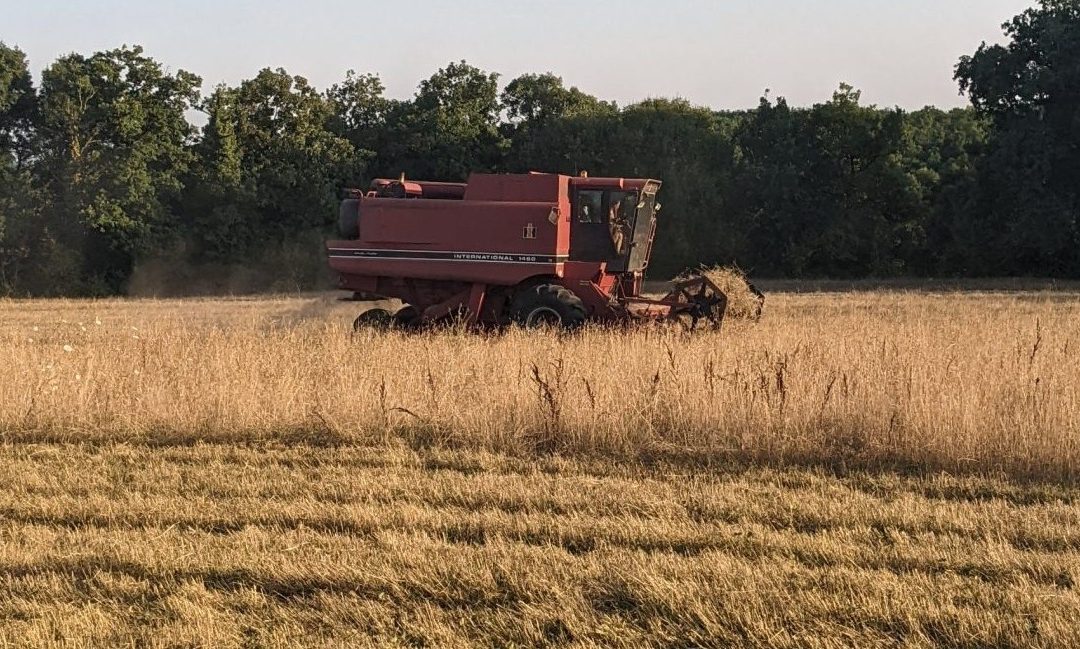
x: 622, y: 206
x: 590, y: 206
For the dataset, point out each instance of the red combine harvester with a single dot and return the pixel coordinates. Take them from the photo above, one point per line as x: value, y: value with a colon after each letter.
x: 532, y: 249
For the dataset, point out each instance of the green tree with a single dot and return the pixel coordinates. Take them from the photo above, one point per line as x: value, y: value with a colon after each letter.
x: 690, y: 148
x: 360, y: 111
x: 772, y: 150
x: 552, y: 128
x: 113, y: 150
x: 941, y: 150
x: 18, y: 106
x: 1035, y: 74
x: 864, y: 208
x: 448, y: 130
x: 18, y: 113
x: 534, y: 100
x: 1027, y: 216
x: 100, y: 167
x: 823, y: 192
x: 269, y: 166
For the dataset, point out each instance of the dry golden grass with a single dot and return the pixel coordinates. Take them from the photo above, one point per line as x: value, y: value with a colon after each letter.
x: 871, y: 469
x: 983, y: 383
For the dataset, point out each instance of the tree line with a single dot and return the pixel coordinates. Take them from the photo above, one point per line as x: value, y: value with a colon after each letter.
x: 101, y: 168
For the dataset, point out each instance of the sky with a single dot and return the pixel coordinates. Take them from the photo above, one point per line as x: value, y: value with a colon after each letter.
x: 720, y: 53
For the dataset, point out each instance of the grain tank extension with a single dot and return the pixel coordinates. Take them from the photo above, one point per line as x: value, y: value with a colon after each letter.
x: 533, y: 249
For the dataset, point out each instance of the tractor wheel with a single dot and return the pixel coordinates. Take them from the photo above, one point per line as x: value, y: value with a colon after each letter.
x: 548, y: 305
x: 407, y: 316
x: 373, y: 319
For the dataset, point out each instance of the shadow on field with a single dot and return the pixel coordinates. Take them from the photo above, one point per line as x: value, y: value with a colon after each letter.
x: 659, y: 458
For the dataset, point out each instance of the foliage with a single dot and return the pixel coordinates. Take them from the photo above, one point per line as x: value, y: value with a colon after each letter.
x: 1027, y: 197
x: 101, y: 169
x: 113, y: 146
x: 823, y: 192
x: 18, y: 106
x: 359, y: 111
x: 268, y: 166
x: 449, y: 130
x: 18, y: 100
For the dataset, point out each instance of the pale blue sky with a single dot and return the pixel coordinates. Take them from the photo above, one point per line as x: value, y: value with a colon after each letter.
x: 718, y: 53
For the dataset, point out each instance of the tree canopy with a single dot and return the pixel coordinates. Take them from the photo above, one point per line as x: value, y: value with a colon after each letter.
x: 102, y: 168
x: 1027, y: 198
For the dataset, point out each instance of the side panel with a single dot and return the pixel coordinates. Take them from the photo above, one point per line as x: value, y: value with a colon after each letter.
x: 539, y: 188
x: 485, y: 268
x: 551, y: 189
x: 495, y: 243
x: 460, y: 226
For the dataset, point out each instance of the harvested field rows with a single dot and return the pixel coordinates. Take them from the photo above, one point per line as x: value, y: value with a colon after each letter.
x: 233, y: 546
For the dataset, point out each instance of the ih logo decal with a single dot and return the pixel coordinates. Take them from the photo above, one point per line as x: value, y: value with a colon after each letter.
x: 529, y: 232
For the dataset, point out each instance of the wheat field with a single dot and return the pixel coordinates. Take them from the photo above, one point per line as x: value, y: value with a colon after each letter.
x: 866, y: 468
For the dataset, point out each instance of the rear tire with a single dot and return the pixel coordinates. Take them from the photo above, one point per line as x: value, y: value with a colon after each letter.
x: 548, y: 305
x: 378, y: 319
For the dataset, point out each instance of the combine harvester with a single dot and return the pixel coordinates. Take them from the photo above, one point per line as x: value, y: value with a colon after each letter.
x: 532, y: 249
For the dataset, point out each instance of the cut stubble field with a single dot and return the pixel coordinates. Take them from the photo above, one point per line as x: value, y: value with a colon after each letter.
x: 872, y: 468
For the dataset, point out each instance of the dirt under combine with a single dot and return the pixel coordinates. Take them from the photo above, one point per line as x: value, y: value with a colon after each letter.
x: 532, y: 249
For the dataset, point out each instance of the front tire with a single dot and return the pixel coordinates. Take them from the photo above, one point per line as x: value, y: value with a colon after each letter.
x: 407, y: 317
x: 548, y: 305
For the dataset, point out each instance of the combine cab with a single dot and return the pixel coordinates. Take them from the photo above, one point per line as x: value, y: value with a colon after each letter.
x: 532, y: 249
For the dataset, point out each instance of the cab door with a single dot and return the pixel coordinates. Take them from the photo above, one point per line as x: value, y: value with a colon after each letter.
x: 643, y: 228
x: 590, y: 236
